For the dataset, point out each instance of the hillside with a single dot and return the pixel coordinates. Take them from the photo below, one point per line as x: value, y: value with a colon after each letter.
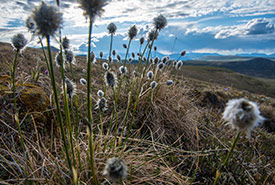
x: 258, y: 67
x: 175, y: 134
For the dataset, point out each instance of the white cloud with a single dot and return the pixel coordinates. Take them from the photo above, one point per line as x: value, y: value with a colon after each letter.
x: 253, y: 27
x: 234, y: 51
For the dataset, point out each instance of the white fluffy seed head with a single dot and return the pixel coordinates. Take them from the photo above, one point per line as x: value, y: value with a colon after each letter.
x: 66, y: 43
x: 101, y: 104
x: 160, y: 22
x: 242, y: 115
x: 156, y: 60
x: 69, y: 56
x: 110, y: 79
x: 115, y: 170
x: 70, y: 87
x: 19, y: 41
x: 83, y: 81
x: 92, y: 8
x: 105, y: 66
x: 59, y: 59
x: 169, y: 82
x: 122, y: 70
x: 48, y: 19
x: 160, y: 66
x: 153, y: 84
x: 179, y: 64
x: 101, y: 54
x: 150, y: 75
x: 132, y: 33
x: 112, y: 28
x: 30, y: 24
x: 100, y: 93
x: 152, y: 35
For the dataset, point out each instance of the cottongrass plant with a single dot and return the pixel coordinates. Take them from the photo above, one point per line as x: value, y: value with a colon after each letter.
x: 112, y: 30
x: 48, y: 21
x: 242, y: 115
x: 18, y: 42
x: 92, y: 9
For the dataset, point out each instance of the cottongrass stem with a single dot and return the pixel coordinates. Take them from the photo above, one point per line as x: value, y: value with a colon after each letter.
x: 115, y: 170
x: 110, y: 59
x: 242, y: 115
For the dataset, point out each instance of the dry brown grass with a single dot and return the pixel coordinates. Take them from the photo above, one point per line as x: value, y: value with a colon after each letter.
x: 177, y: 135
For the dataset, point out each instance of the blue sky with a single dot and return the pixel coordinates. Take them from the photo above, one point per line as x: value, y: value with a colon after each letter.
x: 226, y: 27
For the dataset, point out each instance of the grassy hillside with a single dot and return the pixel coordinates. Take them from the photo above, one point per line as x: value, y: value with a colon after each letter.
x: 228, y: 78
x: 257, y: 67
x: 176, y: 135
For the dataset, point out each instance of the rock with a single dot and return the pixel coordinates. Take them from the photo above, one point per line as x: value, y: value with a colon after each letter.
x: 30, y: 98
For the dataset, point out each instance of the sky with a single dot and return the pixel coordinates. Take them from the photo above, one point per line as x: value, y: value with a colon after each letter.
x: 225, y: 27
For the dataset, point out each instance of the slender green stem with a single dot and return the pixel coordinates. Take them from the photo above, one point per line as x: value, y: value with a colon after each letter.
x: 111, y: 44
x: 16, y: 114
x: 89, y: 66
x: 147, y: 60
x: 126, y: 56
x: 45, y: 55
x: 90, y: 118
x: 71, y: 69
x: 59, y: 115
x: 224, y: 164
x: 13, y: 80
x: 91, y: 148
